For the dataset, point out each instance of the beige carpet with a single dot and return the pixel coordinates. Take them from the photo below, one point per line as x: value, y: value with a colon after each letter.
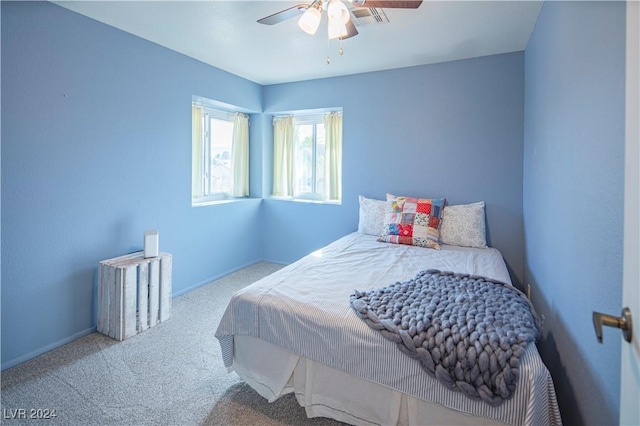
x: 171, y: 374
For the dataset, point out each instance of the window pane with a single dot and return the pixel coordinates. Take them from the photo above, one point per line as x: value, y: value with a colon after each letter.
x: 310, y: 161
x: 319, y: 158
x: 220, y: 155
x: 303, y: 147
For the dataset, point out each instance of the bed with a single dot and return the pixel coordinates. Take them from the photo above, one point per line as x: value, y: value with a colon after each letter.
x: 295, y: 331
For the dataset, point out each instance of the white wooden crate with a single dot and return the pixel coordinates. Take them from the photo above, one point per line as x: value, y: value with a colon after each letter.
x: 134, y: 293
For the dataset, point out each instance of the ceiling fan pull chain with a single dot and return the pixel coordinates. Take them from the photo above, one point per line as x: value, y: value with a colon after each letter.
x: 341, y: 51
x: 328, y: 59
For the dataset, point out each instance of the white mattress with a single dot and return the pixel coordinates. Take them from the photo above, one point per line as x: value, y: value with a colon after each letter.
x: 304, y: 311
x: 327, y: 392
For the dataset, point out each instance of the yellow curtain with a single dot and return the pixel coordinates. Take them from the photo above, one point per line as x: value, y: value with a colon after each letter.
x: 196, y: 152
x: 333, y: 156
x: 283, y: 156
x: 240, y: 155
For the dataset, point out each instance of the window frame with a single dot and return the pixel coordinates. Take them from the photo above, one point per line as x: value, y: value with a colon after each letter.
x: 314, y: 120
x: 206, y: 195
x: 316, y: 116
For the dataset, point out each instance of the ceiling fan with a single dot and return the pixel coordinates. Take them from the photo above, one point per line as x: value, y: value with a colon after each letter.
x: 340, y: 25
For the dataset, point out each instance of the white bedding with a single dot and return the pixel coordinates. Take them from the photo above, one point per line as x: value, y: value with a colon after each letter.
x: 303, y: 310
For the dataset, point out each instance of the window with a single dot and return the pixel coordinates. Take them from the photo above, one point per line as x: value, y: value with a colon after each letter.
x: 220, y: 154
x: 308, y: 157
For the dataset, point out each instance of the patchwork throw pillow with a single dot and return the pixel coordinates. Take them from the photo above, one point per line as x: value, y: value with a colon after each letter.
x: 371, y: 217
x: 412, y: 221
x: 463, y: 225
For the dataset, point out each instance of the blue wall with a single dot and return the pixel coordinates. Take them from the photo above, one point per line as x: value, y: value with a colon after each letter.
x: 96, y: 148
x: 96, y: 127
x: 449, y: 130
x: 573, y: 197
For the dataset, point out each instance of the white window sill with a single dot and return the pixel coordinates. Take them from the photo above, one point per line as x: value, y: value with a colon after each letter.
x: 205, y: 203
x: 306, y: 200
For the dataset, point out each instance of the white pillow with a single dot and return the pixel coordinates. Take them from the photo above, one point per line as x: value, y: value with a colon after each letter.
x: 371, y: 216
x: 463, y: 225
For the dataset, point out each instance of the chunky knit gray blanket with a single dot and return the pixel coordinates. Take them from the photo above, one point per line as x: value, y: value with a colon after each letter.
x: 467, y: 331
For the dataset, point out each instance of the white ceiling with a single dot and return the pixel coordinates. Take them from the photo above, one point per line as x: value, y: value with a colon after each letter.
x: 225, y: 34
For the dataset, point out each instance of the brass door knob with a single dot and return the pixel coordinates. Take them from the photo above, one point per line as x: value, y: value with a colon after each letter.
x: 622, y: 322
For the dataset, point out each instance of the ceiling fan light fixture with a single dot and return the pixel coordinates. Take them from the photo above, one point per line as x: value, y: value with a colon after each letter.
x: 337, y: 11
x: 336, y: 29
x: 310, y: 20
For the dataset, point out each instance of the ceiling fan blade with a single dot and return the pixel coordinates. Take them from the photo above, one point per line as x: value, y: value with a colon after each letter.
x: 389, y: 4
x: 283, y: 15
x: 351, y: 30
